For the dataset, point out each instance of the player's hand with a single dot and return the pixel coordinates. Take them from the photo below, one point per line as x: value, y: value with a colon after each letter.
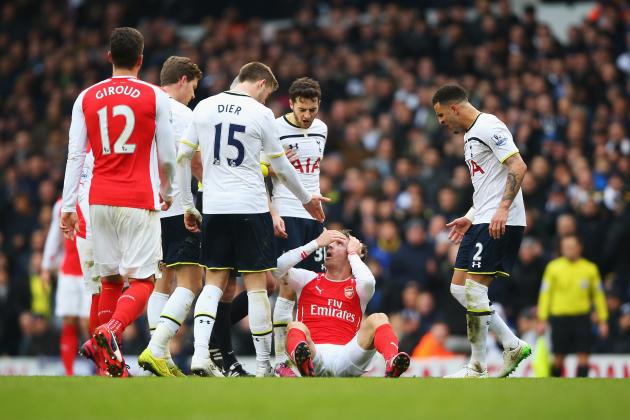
x: 459, y: 227
x: 314, y: 207
x: 279, y: 228
x: 192, y: 219
x: 541, y: 327
x: 327, y: 237
x: 165, y: 203
x: 69, y: 224
x: 603, y: 329
x: 354, y: 246
x: 292, y: 155
x: 498, y: 222
x: 45, y: 276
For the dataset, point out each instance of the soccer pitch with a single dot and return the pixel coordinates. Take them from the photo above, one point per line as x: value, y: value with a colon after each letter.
x: 317, y: 398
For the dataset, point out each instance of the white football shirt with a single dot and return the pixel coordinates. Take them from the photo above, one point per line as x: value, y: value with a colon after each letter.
x: 232, y: 129
x: 487, y: 144
x: 309, y: 145
x: 181, y: 119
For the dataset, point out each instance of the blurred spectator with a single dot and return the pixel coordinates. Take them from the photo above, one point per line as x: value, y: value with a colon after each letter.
x: 432, y: 344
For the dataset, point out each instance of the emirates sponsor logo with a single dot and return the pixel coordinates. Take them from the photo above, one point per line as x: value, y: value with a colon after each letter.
x: 334, y: 309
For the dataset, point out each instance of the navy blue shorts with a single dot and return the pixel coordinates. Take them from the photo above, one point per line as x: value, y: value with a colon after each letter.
x: 301, y: 231
x: 242, y: 242
x: 480, y: 254
x: 179, y: 245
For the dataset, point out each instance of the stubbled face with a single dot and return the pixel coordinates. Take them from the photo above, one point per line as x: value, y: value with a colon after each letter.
x: 263, y: 91
x: 448, y: 116
x: 189, y: 90
x: 336, y: 253
x: 305, y: 110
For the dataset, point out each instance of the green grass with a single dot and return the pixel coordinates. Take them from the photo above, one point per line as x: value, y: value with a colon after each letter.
x: 319, y: 398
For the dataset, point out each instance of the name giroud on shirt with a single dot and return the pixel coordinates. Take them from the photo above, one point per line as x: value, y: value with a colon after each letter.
x: 117, y: 90
x: 333, y: 310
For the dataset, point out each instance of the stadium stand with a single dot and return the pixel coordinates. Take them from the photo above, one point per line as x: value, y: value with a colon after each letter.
x: 393, y: 175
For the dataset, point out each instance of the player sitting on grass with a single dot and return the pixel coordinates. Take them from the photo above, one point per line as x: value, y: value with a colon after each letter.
x: 329, y: 337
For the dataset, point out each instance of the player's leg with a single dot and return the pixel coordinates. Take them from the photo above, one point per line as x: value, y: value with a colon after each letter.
x: 92, y: 282
x: 377, y: 333
x: 558, y: 365
x: 67, y: 308
x: 159, y: 297
x: 582, y: 333
x: 255, y: 255
x: 300, y: 348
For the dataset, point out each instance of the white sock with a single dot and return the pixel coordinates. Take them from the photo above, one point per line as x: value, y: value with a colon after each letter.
x: 282, y: 315
x: 497, y: 325
x: 478, y: 320
x: 259, y: 311
x: 205, y: 314
x: 173, y: 315
x: 155, y: 305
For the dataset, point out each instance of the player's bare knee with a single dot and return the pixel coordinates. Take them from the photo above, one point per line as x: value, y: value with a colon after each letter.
x: 376, y: 320
x: 298, y: 325
x: 286, y: 292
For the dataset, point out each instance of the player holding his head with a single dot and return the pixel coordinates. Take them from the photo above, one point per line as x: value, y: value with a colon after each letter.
x: 181, y: 249
x: 329, y: 337
x: 232, y: 128
x: 491, y: 232
x: 304, y: 135
x: 127, y: 125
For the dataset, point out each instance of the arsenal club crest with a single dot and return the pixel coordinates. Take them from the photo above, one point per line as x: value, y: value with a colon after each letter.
x: 348, y: 292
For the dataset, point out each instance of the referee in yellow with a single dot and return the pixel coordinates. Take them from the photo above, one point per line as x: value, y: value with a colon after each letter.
x: 570, y: 287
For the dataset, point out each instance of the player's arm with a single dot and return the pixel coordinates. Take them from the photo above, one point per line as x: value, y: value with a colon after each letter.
x: 196, y: 166
x: 77, y: 146
x: 53, y: 247
x: 599, y: 299
x: 544, y: 298
x: 165, y: 142
x: 366, y: 283
x: 286, y: 172
x: 187, y: 150
x: 516, y: 172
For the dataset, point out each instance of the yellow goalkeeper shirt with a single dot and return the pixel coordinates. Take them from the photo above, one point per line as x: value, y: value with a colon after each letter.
x: 570, y: 288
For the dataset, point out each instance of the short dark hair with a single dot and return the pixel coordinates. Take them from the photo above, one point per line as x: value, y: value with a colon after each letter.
x: 175, y: 67
x: 126, y: 45
x: 255, y: 71
x: 306, y: 88
x: 449, y: 94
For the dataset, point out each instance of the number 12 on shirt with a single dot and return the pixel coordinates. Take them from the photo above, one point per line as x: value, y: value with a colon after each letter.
x: 231, y: 141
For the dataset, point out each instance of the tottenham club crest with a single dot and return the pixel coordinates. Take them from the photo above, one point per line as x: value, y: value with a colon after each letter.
x: 348, y: 292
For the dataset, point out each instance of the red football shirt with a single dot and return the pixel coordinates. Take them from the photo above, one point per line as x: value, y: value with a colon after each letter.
x: 330, y: 309
x: 127, y: 124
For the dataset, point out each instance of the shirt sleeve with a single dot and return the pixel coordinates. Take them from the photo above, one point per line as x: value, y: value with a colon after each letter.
x: 53, y: 248
x: 544, y: 298
x: 77, y: 146
x: 500, y: 141
x: 297, y: 278
x: 366, y: 282
x: 165, y: 141
x: 599, y: 298
x: 188, y: 146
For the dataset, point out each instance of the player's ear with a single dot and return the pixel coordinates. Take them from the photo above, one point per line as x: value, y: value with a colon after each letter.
x: 140, y: 61
x: 291, y: 106
x: 109, y: 57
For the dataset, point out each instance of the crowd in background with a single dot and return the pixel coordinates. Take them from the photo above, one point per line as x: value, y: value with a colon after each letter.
x: 394, y: 175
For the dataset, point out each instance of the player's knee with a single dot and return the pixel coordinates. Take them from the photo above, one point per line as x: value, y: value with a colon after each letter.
x: 296, y: 324
x: 377, y: 319
x: 271, y: 282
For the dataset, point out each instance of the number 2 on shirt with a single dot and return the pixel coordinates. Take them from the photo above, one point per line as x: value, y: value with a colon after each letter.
x: 232, y: 141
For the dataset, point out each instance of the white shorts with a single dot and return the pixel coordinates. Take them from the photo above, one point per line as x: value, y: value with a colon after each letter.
x: 71, y: 298
x: 337, y: 360
x: 126, y: 241
x: 91, y: 280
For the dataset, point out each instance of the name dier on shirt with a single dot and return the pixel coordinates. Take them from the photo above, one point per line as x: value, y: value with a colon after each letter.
x: 333, y: 311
